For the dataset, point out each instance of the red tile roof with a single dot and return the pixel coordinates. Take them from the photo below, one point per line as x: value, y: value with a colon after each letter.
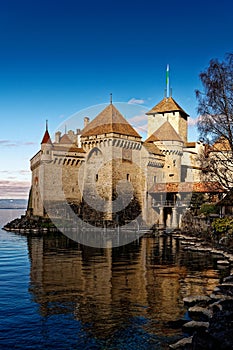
x: 198, y: 187
x: 110, y: 120
x: 46, y: 138
x: 168, y: 104
x: 152, y: 148
x: 152, y: 138
x: 222, y: 144
x: 65, y: 140
x: 166, y: 132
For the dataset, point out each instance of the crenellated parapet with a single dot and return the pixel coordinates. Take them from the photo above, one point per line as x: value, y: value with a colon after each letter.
x: 67, y: 161
x: 174, y: 152
x: 110, y: 140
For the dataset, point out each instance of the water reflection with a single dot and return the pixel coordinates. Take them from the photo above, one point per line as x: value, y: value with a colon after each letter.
x: 140, y: 285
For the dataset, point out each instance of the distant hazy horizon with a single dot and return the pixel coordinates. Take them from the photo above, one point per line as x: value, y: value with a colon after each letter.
x: 13, y: 203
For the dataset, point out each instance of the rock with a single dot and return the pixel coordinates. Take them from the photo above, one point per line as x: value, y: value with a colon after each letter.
x: 225, y: 289
x: 217, y: 252
x: 200, y: 313
x: 228, y: 256
x: 216, y: 290
x: 219, y: 335
x: 196, y: 300
x: 202, y: 340
x: 193, y: 326
x: 223, y: 262
x: 215, y: 307
x: 228, y: 279
x: 176, y: 324
x: 215, y: 297
x: 185, y: 343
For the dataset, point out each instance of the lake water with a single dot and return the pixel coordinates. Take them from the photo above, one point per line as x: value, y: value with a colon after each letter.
x: 57, y: 294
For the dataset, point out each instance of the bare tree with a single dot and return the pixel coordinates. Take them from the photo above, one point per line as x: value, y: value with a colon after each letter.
x: 215, y: 125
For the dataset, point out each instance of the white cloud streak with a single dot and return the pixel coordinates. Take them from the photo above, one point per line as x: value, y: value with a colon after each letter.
x: 14, y: 189
x: 137, y: 101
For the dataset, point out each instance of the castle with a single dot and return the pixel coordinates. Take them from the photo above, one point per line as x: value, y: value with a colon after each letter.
x: 107, y: 173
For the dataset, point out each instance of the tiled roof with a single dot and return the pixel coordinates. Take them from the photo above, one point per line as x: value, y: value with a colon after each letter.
x: 190, y: 144
x: 110, y: 120
x: 168, y: 104
x: 221, y: 144
x: 198, y: 187
x: 152, y: 138
x: 46, y: 138
x: 166, y: 132
x: 65, y: 140
x: 152, y: 148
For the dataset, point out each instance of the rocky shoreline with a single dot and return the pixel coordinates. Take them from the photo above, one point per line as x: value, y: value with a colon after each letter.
x: 212, y: 320
x: 211, y: 324
x: 31, y: 225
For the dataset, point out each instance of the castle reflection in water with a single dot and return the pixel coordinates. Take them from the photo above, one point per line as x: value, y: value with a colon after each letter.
x: 106, y: 288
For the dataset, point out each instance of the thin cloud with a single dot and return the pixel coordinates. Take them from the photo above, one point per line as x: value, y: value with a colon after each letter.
x: 4, y: 142
x: 21, y: 171
x: 24, y: 171
x: 14, y: 189
x: 138, y: 101
x: 194, y: 121
x: 138, y: 118
x: 13, y: 143
x: 142, y: 128
x: 29, y: 143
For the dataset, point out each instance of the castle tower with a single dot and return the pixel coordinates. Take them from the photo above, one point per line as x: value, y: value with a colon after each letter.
x: 113, y: 148
x: 46, y: 145
x: 171, y: 144
x: 168, y: 110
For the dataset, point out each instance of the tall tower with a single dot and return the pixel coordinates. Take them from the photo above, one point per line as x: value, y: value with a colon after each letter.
x: 168, y: 110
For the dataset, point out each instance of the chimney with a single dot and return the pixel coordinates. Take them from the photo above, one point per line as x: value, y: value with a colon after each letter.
x: 57, y: 136
x: 86, y: 121
x: 71, y: 135
x: 78, y: 131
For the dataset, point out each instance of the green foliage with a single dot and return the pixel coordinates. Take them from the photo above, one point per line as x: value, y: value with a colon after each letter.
x: 209, y: 209
x: 223, y: 225
x: 197, y: 200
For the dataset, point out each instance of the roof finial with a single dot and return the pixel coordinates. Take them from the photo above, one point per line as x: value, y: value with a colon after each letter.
x: 46, y: 124
x: 167, y: 81
x: 65, y: 129
x: 111, y: 98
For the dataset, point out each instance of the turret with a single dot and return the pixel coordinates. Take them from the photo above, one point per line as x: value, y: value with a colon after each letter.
x: 168, y: 110
x: 171, y: 144
x: 46, y: 145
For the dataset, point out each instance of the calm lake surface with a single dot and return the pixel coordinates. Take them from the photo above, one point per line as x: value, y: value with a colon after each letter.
x: 57, y: 294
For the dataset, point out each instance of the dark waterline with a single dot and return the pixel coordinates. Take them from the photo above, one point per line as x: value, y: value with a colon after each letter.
x: 57, y: 294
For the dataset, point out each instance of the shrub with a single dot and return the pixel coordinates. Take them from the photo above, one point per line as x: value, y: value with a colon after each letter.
x: 223, y: 225
x: 209, y: 209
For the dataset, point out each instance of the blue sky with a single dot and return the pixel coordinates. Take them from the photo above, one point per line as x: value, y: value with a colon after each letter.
x: 59, y: 57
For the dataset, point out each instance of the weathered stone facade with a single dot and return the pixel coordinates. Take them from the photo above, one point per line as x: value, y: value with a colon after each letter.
x: 109, y: 174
